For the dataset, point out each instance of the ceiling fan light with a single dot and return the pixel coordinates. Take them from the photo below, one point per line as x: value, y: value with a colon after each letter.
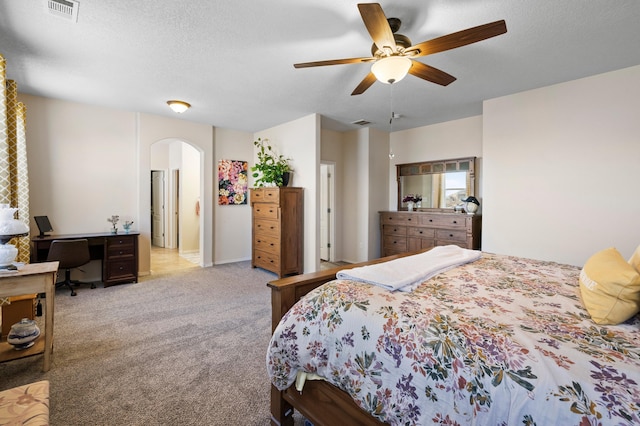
x: 391, y: 69
x: 178, y: 106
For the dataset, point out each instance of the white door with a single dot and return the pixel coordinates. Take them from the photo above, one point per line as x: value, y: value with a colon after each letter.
x: 157, y: 208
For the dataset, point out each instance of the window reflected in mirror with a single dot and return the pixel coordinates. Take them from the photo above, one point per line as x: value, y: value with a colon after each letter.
x: 439, y: 184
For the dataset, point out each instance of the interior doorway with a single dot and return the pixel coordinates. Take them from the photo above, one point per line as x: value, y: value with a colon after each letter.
x: 157, y: 208
x: 327, y: 212
x: 176, y: 180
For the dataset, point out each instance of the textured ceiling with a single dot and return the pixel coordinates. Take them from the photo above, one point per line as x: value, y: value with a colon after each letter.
x: 233, y: 60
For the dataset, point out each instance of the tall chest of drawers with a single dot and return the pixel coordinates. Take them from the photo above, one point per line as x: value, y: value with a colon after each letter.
x: 403, y: 232
x: 277, y: 229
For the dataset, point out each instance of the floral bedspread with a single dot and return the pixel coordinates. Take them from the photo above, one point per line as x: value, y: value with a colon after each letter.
x: 500, y: 341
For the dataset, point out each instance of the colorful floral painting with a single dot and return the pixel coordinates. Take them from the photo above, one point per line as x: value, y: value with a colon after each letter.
x: 232, y: 182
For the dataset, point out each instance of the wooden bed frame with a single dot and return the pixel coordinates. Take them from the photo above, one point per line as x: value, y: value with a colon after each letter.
x: 320, y: 402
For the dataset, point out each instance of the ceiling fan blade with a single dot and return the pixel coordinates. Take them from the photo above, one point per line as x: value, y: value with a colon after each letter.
x: 377, y: 25
x: 364, y: 84
x: 429, y: 73
x: 333, y: 62
x: 458, y: 39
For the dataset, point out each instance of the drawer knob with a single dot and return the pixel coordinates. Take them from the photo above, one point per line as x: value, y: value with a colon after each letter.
x: 409, y: 220
x: 455, y: 221
x: 451, y: 235
x: 430, y: 220
x: 420, y: 232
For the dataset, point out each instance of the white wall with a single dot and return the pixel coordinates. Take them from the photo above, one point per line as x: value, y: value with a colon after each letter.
x: 232, y: 232
x: 87, y: 163
x: 300, y: 141
x: 82, y: 167
x: 562, y: 167
x: 378, y: 188
x: 152, y: 129
x: 189, y: 233
x: 452, y: 139
x: 361, y: 189
x: 558, y: 166
x: 81, y: 164
x: 351, y: 239
x: 332, y: 151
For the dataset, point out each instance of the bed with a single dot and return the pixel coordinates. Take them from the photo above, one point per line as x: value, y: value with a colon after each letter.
x: 501, y: 340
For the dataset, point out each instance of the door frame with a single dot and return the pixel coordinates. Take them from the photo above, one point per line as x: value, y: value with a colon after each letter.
x: 328, y: 207
x: 160, y: 192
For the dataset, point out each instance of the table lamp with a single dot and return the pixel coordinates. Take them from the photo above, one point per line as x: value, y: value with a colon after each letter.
x: 9, y: 228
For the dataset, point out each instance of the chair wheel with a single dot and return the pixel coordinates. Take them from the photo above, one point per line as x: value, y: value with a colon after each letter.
x: 73, y: 293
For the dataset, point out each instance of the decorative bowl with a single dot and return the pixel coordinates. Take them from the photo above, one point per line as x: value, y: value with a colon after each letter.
x: 23, y: 334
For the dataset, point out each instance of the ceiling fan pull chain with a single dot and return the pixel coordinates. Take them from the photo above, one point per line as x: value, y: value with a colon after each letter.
x: 391, y: 154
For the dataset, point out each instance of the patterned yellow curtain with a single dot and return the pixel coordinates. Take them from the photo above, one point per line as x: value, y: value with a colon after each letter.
x: 437, y: 194
x: 14, y: 183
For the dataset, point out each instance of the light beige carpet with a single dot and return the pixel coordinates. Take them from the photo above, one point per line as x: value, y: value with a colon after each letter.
x: 184, y: 349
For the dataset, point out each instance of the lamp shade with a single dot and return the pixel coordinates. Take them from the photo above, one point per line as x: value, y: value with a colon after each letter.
x: 10, y: 227
x: 391, y: 69
x: 178, y: 106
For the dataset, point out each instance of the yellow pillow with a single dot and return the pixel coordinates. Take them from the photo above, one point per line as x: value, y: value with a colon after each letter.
x: 635, y: 259
x: 610, y: 287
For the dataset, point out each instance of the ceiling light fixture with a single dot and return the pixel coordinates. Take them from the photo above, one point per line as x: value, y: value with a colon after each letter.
x: 391, y: 69
x: 179, y: 106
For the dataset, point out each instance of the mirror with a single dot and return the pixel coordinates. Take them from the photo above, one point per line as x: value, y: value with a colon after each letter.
x: 441, y: 184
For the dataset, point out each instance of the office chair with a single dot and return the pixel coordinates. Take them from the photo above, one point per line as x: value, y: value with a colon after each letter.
x: 71, y: 254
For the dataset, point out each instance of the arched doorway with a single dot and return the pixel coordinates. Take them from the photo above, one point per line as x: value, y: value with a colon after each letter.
x: 175, y: 192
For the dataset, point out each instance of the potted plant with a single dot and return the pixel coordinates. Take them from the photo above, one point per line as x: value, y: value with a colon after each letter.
x: 412, y: 200
x: 270, y: 170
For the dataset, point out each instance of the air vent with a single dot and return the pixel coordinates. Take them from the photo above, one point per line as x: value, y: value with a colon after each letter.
x: 361, y: 122
x: 67, y: 9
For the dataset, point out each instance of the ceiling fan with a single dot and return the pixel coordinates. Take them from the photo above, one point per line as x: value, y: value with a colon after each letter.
x: 392, y: 53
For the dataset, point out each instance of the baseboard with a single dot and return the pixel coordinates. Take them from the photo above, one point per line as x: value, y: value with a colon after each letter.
x: 222, y: 262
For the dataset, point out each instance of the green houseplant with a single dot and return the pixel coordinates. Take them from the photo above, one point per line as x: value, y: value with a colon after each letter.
x: 270, y: 169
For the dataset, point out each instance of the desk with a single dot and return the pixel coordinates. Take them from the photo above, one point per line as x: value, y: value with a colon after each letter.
x: 32, y: 278
x: 118, y: 253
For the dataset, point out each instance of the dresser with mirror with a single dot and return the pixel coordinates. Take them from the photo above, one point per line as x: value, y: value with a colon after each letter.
x: 436, y: 219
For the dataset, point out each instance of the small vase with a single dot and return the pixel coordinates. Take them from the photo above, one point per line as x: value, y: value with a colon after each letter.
x: 23, y: 334
x: 286, y: 178
x: 471, y: 208
x: 410, y: 206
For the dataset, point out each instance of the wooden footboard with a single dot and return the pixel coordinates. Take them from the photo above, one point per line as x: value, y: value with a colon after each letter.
x: 320, y: 402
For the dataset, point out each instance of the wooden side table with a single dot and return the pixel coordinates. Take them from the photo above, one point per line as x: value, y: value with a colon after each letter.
x: 32, y: 278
